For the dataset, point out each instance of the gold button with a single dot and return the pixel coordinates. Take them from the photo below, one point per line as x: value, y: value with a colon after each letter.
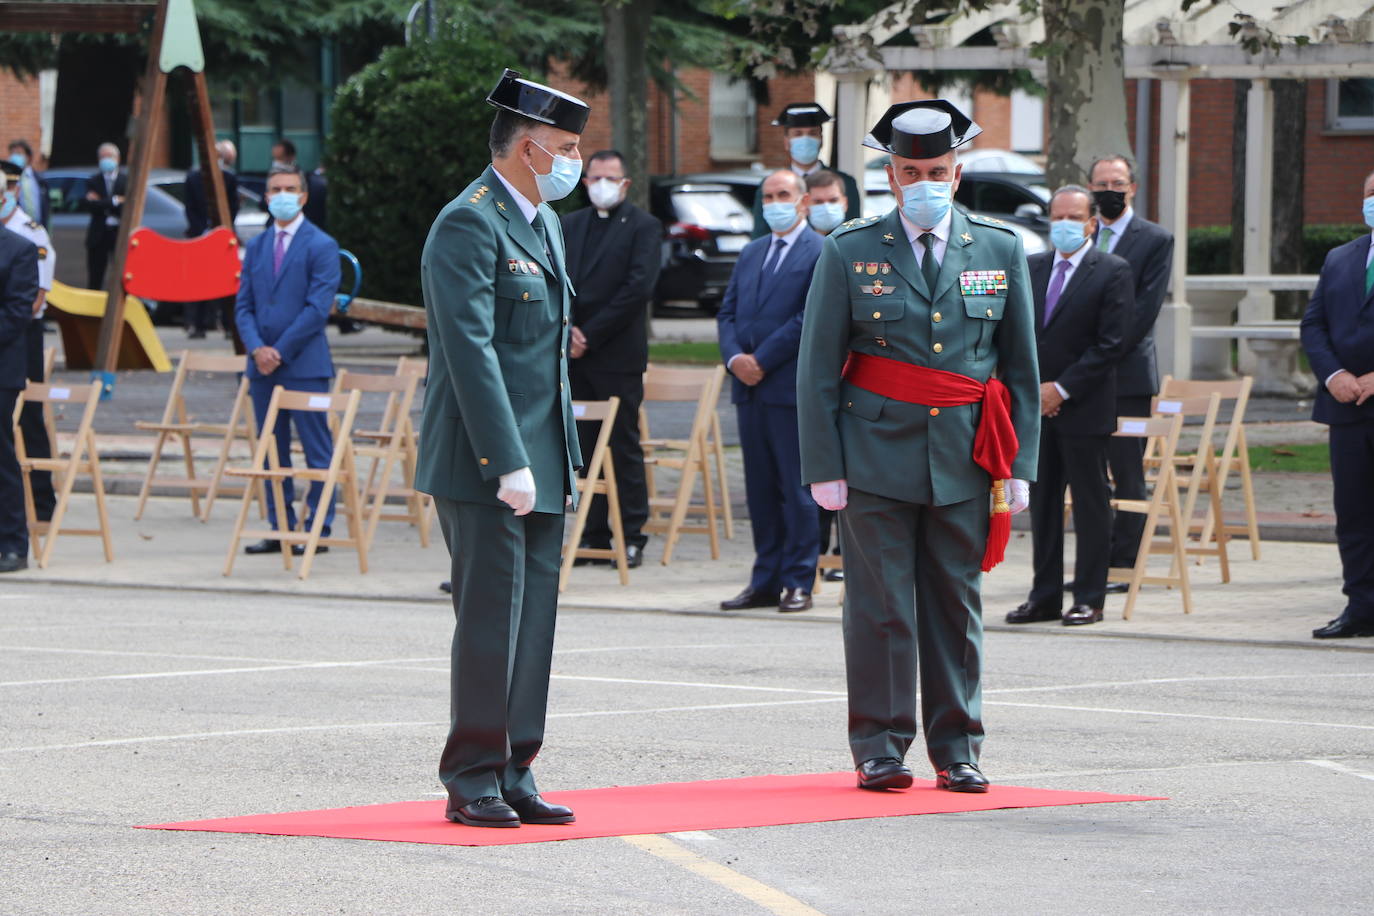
x: 939, y: 348
x: 934, y: 411
x: 989, y: 313
x: 936, y: 317
x: 482, y: 461
x: 877, y: 314
x: 525, y: 294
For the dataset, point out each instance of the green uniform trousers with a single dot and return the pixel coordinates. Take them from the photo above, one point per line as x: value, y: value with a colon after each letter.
x: 912, y: 577
x: 504, y: 571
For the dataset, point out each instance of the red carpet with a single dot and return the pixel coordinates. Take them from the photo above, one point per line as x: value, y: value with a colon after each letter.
x: 758, y: 801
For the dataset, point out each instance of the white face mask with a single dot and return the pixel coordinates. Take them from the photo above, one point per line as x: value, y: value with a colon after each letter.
x: 605, y: 192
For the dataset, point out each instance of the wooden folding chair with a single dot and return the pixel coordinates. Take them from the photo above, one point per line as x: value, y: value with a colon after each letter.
x: 418, y: 367
x: 690, y: 456
x: 84, y: 458
x: 342, y: 473
x: 599, y: 479
x: 1162, y: 506
x: 385, y: 449
x: 1234, y: 457
x: 1196, y: 474
x: 178, y: 424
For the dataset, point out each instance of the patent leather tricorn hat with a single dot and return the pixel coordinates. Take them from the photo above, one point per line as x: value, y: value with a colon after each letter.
x: 539, y: 102
x: 922, y: 130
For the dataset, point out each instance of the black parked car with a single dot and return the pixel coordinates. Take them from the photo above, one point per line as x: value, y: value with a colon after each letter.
x: 705, y: 225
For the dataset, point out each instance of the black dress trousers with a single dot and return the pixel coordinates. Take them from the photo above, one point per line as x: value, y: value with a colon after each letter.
x: 626, y: 454
x: 1080, y: 463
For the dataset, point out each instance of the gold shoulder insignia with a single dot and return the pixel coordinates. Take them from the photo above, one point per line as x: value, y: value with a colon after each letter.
x: 500, y: 205
x: 966, y: 237
x: 42, y: 253
x: 888, y: 236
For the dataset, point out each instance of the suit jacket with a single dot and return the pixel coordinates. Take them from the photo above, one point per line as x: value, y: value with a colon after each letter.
x: 40, y: 189
x: 892, y: 448
x: 497, y: 311
x: 1080, y: 346
x: 18, y: 289
x: 852, y: 194
x: 198, y: 201
x: 289, y: 310
x: 1149, y: 249
x: 1338, y: 330
x: 614, y: 286
x: 764, y: 317
x: 103, y: 207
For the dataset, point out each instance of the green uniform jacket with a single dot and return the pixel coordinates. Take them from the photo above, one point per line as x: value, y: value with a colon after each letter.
x: 851, y: 193
x: 868, y: 295
x: 496, y: 307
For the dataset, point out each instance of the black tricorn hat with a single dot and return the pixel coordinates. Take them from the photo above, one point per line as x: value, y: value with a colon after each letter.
x: 921, y: 130
x: 12, y: 171
x: 539, y: 102
x: 802, y: 114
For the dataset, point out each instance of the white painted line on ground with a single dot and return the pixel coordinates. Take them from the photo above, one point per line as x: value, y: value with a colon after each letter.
x: 203, y: 672
x: 769, y: 898
x: 60, y: 650
x: 653, y: 683
x: 636, y: 712
x: 722, y: 645
x: 1340, y: 768
x: 1152, y: 681
x: 1182, y: 715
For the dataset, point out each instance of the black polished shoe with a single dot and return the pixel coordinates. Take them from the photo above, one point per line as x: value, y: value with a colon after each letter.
x: 1031, y: 613
x: 13, y: 562
x: 794, y: 599
x: 1343, y: 628
x: 263, y: 547
x: 298, y: 550
x: 534, y: 810
x: 446, y: 587
x: 961, y: 777
x: 1081, y: 614
x: 487, y: 811
x: 1118, y: 588
x: 884, y: 773
x: 1068, y: 586
x: 834, y: 575
x: 634, y: 556
x: 749, y: 598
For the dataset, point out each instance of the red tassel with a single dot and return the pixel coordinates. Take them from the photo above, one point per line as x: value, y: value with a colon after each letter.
x: 999, y: 534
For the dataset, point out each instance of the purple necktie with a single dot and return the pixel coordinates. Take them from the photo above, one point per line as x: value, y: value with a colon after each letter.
x: 278, y: 253
x: 1056, y: 287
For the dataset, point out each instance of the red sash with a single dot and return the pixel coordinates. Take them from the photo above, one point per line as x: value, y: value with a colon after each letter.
x: 994, y: 444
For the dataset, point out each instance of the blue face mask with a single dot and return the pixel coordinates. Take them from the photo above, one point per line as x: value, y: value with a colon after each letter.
x: 284, y: 206
x: 108, y: 164
x: 1369, y: 212
x: 7, y: 205
x: 825, y: 217
x: 805, y: 150
x: 560, y: 180
x: 19, y: 159
x: 780, y: 216
x: 925, y: 203
x: 1067, y: 235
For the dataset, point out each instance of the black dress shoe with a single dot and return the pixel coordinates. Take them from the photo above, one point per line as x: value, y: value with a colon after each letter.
x: 446, y: 587
x: 884, y: 773
x: 749, y: 598
x: 1343, y: 628
x: 13, y: 562
x: 634, y: 556
x: 1032, y: 613
x: 794, y: 599
x: 1118, y: 588
x: 298, y: 550
x: 263, y: 547
x: 1068, y: 586
x: 1081, y: 614
x: 961, y: 777
x: 534, y: 810
x: 487, y: 811
x: 834, y: 575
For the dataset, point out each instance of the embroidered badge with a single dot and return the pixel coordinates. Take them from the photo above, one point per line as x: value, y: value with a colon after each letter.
x: 534, y: 269
x: 884, y: 268
x: 877, y: 289
x: 983, y: 282
x: 966, y: 237
x: 872, y: 268
x: 858, y: 267
x: 511, y: 263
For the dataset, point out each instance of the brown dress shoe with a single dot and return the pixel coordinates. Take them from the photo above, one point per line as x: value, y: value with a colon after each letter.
x: 1081, y: 614
x: 794, y: 599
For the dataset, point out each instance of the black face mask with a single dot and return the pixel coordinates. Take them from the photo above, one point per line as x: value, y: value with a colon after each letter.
x: 1111, y: 203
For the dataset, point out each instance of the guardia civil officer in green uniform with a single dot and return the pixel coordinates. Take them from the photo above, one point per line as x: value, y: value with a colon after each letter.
x: 917, y: 377
x: 801, y: 135
x: 498, y: 445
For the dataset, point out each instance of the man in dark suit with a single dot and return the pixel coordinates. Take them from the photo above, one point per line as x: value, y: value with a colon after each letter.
x: 613, y: 262
x: 801, y: 124
x: 104, y: 201
x: 760, y: 324
x: 1338, y: 336
x: 200, y: 316
x: 1149, y: 249
x: 1082, y: 305
x: 290, y: 275
x: 33, y: 190
x: 18, y: 289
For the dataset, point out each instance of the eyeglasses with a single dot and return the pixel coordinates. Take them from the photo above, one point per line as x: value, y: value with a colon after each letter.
x: 1111, y: 185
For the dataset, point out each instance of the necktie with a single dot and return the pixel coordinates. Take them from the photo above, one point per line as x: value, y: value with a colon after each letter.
x: 28, y: 196
x: 1368, y: 278
x: 278, y: 252
x: 1104, y: 239
x: 930, y: 268
x: 770, y: 263
x: 1056, y: 288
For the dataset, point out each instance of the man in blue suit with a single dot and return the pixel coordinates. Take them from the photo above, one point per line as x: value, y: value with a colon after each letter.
x: 290, y: 276
x: 760, y: 325
x: 1338, y: 335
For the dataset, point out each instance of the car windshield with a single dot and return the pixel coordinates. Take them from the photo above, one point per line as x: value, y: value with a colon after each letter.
x: 718, y: 210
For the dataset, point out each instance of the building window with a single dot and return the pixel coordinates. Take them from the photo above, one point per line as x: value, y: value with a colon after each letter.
x: 734, y: 118
x: 1350, y: 104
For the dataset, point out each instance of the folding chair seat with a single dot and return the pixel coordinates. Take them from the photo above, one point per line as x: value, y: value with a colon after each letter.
x: 1162, y: 507
x: 179, y: 424
x: 599, y: 479
x: 385, y: 450
x: 84, y: 459
x: 690, y: 457
x: 342, y: 473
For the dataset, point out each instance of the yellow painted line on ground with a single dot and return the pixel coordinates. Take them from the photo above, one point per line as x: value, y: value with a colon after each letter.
x: 770, y: 898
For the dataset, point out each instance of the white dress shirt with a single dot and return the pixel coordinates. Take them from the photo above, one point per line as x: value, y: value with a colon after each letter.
x: 528, y: 209
x: 289, y: 230
x: 940, y: 230
x: 1118, y: 228
x: 1073, y: 261
x: 21, y: 223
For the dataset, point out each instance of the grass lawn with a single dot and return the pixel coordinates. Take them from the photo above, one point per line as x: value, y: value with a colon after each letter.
x: 1312, y: 457
x: 685, y: 353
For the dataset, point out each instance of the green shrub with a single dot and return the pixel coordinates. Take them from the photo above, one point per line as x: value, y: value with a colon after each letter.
x: 409, y: 133
x: 1209, y: 247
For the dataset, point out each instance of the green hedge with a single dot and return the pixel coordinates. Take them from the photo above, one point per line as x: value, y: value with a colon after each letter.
x: 1209, y: 247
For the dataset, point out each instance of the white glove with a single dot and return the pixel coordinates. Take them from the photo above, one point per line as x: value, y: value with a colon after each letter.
x: 832, y: 495
x: 1019, y: 497
x: 517, y: 491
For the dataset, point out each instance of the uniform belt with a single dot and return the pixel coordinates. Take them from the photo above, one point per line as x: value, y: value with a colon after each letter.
x: 994, y: 443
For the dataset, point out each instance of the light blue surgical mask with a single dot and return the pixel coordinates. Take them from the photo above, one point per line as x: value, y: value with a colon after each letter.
x: 108, y: 164
x: 1067, y: 235
x: 805, y: 150
x: 284, y: 206
x: 780, y: 215
x: 19, y: 159
x: 10, y: 201
x: 825, y: 217
x: 925, y: 203
x: 561, y: 178
x: 1369, y: 212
